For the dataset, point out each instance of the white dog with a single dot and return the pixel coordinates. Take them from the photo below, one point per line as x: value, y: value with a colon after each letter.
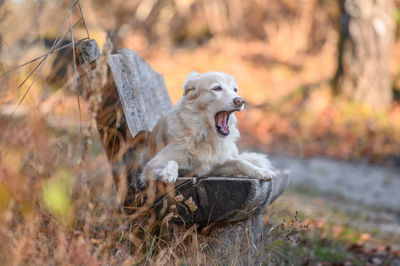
x: 197, y: 137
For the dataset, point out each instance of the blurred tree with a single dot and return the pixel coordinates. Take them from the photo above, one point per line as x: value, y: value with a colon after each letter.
x: 1, y: 18
x: 367, y: 36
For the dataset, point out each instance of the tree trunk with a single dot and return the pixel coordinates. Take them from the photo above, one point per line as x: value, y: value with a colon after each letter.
x: 367, y: 36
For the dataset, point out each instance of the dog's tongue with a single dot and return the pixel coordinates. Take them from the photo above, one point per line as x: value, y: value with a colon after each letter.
x: 222, y: 121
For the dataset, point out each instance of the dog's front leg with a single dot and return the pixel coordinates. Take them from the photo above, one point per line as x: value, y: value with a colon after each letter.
x: 165, y: 171
x: 163, y: 166
x: 239, y: 167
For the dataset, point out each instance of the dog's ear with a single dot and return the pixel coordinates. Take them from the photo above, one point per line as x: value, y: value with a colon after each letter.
x: 189, y: 84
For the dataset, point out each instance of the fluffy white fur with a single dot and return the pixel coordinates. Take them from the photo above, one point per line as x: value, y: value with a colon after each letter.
x: 186, y: 141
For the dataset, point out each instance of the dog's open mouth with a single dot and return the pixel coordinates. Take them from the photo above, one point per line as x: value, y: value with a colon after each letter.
x: 221, y: 122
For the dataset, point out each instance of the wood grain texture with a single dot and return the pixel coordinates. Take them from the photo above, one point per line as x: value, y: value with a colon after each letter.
x: 88, y: 52
x: 142, y: 90
x: 228, y: 199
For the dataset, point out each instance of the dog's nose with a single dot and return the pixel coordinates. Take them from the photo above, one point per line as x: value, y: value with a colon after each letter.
x: 238, y: 101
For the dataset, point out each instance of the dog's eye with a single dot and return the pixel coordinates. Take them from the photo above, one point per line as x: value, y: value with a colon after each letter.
x: 235, y: 89
x: 217, y: 88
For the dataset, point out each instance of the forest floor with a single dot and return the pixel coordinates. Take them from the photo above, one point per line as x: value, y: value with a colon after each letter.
x: 344, y: 225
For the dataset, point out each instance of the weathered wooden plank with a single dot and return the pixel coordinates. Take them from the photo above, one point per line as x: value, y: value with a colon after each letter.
x: 88, y: 52
x: 142, y: 90
x: 228, y: 199
x: 111, y: 123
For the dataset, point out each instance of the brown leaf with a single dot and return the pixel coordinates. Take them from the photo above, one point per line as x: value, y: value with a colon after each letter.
x: 179, y: 198
x: 191, y: 205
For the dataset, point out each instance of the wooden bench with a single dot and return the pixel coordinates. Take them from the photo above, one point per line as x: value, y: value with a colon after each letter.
x: 133, y: 100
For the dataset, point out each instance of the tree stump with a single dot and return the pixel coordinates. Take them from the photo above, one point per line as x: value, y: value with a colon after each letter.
x: 133, y: 100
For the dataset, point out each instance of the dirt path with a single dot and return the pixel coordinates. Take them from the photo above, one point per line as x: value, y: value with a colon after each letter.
x: 370, y: 185
x: 369, y: 196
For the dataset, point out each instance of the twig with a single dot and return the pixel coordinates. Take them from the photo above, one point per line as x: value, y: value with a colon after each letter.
x: 40, y: 66
x: 75, y: 69
x: 42, y: 63
x: 83, y: 18
x: 37, y: 58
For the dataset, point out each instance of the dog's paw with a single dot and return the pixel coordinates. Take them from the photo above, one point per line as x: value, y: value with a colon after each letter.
x: 268, y: 174
x: 170, y: 172
x: 265, y: 175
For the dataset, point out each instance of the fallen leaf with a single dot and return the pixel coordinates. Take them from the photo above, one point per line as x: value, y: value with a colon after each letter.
x: 179, y: 198
x: 191, y: 205
x: 365, y: 237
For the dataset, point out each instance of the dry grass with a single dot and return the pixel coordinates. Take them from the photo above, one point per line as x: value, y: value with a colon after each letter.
x: 59, y: 204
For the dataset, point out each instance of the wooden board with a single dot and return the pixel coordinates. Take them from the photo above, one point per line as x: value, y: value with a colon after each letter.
x: 142, y: 90
x: 228, y: 199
